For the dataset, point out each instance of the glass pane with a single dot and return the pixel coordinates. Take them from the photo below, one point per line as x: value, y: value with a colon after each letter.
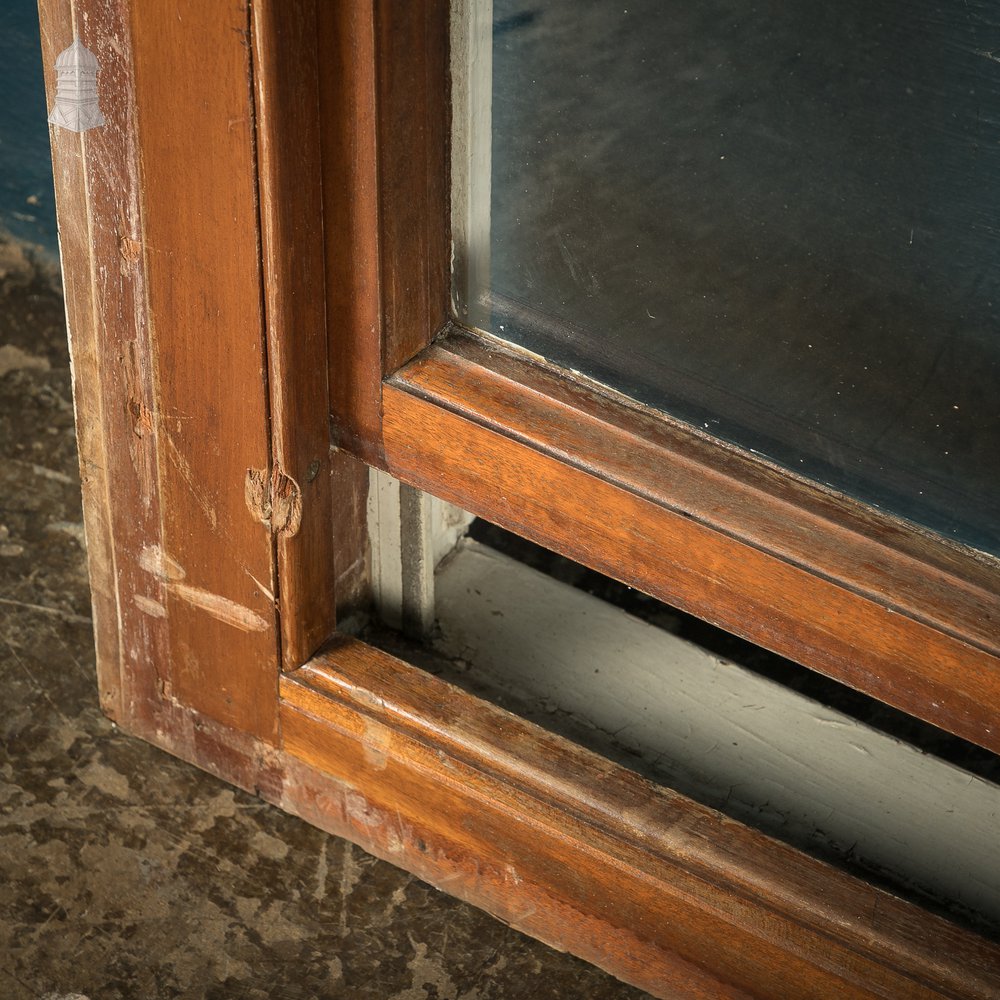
x: 777, y: 221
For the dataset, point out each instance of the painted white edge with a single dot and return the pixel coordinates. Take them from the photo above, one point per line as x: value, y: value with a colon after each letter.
x: 410, y: 532
x: 448, y: 525
x: 716, y: 730
x: 384, y: 536
x: 417, y: 560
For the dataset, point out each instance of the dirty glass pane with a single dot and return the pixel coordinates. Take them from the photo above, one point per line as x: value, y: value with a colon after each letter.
x: 777, y: 221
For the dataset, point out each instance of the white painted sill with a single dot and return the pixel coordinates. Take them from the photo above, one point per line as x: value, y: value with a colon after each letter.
x: 673, y: 711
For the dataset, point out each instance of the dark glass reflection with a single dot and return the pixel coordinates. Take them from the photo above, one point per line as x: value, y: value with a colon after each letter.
x: 778, y: 221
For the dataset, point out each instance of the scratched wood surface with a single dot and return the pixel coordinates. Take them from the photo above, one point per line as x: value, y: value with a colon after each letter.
x: 908, y: 619
x: 299, y: 488
x: 97, y: 198
x: 162, y: 237
x: 664, y: 893
x: 200, y: 241
x: 159, y: 231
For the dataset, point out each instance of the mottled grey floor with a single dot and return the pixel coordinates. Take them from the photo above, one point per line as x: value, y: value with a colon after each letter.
x: 125, y: 873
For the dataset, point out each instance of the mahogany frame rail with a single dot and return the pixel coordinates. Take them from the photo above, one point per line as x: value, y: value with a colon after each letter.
x: 268, y: 204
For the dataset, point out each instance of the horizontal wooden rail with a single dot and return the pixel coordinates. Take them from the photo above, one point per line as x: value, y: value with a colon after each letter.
x: 904, y: 616
x: 588, y: 856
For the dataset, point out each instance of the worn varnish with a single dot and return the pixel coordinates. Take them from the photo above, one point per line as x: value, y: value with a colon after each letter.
x: 286, y: 96
x: 98, y: 194
x: 908, y: 619
x: 163, y: 279
x: 207, y: 347
x: 585, y: 855
x: 190, y: 237
x: 384, y: 102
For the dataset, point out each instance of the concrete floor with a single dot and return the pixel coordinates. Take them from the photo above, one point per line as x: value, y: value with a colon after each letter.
x: 125, y: 873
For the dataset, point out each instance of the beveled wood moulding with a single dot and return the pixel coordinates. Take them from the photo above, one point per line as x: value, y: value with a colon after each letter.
x: 384, y: 104
x: 904, y: 616
x: 871, y: 600
x: 221, y: 252
x: 591, y: 858
x: 296, y: 492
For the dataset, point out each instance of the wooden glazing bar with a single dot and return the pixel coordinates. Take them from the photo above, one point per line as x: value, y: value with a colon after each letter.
x: 733, y: 542
x: 296, y: 489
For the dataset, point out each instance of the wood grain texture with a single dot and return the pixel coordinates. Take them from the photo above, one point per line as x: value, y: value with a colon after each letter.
x: 384, y: 101
x: 588, y: 856
x: 286, y: 63
x: 906, y: 618
x: 158, y: 221
x: 413, y: 122
x: 98, y: 196
x: 350, y: 218
x: 173, y: 331
x: 200, y: 243
x: 352, y: 556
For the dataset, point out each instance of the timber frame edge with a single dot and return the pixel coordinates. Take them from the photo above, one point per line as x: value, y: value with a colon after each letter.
x: 195, y: 352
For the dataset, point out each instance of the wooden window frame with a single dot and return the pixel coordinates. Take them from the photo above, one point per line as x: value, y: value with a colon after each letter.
x: 258, y: 239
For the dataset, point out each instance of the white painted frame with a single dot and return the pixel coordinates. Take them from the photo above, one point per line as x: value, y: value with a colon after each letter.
x: 708, y: 727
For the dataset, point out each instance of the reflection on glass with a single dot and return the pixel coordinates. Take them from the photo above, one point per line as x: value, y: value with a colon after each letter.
x: 777, y: 221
